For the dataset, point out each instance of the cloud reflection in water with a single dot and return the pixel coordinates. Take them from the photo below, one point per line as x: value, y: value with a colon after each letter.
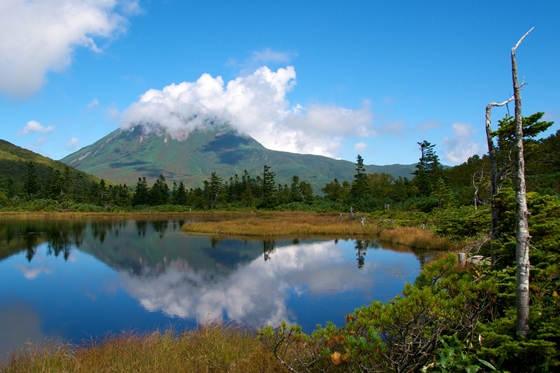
x: 255, y: 293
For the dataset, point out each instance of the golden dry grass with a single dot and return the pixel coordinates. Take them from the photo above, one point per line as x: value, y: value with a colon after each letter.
x: 308, y: 224
x: 283, y: 224
x: 417, y: 238
x: 210, y: 348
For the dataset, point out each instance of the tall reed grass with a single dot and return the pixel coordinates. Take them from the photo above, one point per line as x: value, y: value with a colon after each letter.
x: 209, y: 348
x: 417, y: 238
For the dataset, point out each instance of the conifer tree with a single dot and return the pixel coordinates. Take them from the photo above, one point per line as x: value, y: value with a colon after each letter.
x: 428, y: 169
x: 141, y: 196
x: 31, y: 186
x: 10, y: 188
x: 180, y: 195
x: 268, y: 187
x: 213, y: 189
x: 247, y: 198
x: 360, y: 185
x: 159, y: 192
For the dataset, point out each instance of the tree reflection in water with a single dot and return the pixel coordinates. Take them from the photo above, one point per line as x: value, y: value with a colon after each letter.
x: 141, y: 227
x: 160, y: 227
x: 268, y: 248
x: 161, y: 275
x: 58, y: 236
x: 361, y: 250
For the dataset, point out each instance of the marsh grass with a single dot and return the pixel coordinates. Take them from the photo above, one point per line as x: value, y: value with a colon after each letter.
x: 283, y: 224
x: 301, y: 225
x: 417, y: 238
x: 209, y: 348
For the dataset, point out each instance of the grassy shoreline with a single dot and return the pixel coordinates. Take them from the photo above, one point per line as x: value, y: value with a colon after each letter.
x: 209, y: 348
x: 306, y: 224
x: 271, y: 224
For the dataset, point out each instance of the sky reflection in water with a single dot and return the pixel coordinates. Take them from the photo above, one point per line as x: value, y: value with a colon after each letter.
x: 77, y: 281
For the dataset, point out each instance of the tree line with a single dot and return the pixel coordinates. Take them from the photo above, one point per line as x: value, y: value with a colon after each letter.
x: 431, y: 185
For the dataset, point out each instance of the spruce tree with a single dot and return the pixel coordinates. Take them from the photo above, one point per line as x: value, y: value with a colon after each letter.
x: 268, y: 187
x: 31, y: 186
x: 428, y: 170
x: 359, y: 185
x: 141, y: 196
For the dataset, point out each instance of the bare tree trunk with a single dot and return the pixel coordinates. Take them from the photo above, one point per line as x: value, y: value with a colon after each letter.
x: 475, y: 192
x: 493, y: 175
x: 522, y: 236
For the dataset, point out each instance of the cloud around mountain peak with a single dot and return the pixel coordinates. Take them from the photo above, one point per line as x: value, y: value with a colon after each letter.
x: 255, y: 104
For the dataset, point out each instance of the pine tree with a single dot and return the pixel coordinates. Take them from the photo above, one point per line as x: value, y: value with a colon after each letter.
x: 295, y: 191
x: 180, y: 196
x: 247, y: 198
x: 268, y: 187
x: 213, y: 188
x: 159, y: 193
x: 360, y: 185
x: 428, y: 170
x: 141, y: 196
x: 31, y: 186
x: 10, y: 188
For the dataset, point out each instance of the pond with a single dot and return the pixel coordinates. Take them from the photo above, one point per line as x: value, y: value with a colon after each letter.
x: 78, y: 280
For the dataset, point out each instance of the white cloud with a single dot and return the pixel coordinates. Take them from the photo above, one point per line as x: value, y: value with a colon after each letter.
x: 268, y: 55
x: 31, y: 273
x: 111, y: 112
x: 429, y: 125
x: 255, y: 104
x: 396, y: 128
x: 265, y: 57
x: 36, y: 146
x: 461, y: 146
x: 34, y: 127
x: 39, y: 266
x: 360, y: 146
x: 39, y: 36
x: 93, y: 104
x: 72, y: 144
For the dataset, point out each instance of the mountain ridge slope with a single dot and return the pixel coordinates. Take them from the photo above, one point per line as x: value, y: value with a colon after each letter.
x: 125, y: 155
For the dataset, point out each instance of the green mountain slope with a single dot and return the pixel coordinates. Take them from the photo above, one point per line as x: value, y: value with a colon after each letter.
x: 14, y: 160
x: 125, y: 155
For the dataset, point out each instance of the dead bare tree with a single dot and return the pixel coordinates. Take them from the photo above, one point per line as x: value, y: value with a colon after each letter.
x: 476, y: 198
x: 494, y: 177
x: 522, y: 237
x: 494, y: 174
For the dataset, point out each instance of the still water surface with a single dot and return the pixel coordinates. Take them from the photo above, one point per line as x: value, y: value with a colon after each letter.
x: 81, y: 280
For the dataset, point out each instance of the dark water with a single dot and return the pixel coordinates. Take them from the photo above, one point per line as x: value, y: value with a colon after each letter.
x: 81, y: 280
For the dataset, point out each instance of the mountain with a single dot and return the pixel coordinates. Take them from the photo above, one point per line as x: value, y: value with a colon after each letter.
x: 14, y: 160
x: 125, y: 155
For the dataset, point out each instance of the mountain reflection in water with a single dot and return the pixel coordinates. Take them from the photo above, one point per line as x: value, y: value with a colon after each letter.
x: 83, y: 279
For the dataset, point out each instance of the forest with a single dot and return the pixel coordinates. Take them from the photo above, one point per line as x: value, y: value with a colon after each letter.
x: 431, y: 186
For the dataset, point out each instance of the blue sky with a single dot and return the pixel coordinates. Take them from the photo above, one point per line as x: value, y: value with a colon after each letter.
x: 337, y: 78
